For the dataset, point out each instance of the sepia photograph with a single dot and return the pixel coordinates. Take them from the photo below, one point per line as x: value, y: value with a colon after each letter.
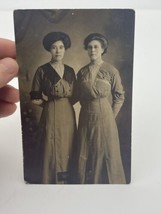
x: 75, y: 80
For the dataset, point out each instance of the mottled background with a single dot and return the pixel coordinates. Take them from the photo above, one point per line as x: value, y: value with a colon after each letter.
x: 30, y: 28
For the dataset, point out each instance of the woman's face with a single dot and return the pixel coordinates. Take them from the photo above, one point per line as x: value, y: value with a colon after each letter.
x: 57, y: 51
x: 95, y: 50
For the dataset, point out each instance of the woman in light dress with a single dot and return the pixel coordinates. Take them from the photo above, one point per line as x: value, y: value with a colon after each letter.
x: 101, y: 96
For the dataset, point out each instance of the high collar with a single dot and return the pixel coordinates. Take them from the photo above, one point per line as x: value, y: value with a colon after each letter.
x: 97, y: 62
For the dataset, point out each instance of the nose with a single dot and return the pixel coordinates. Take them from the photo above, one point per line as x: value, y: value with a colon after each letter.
x: 57, y: 50
x: 92, y: 49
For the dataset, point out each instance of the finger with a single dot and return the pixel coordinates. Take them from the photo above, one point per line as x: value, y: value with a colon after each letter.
x: 9, y: 94
x: 7, y: 48
x: 8, y: 70
x: 7, y: 109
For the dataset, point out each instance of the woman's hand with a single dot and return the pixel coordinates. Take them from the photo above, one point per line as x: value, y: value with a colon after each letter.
x: 8, y: 70
x: 38, y: 102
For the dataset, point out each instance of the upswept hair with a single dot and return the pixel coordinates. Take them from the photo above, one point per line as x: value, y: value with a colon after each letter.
x: 53, y: 37
x: 99, y: 37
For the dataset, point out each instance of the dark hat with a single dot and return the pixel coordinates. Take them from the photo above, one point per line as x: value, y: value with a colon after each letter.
x: 52, y: 37
x: 99, y: 37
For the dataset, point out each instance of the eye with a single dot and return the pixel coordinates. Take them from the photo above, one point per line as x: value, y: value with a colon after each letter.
x: 53, y: 47
x: 61, y: 47
x: 92, y: 47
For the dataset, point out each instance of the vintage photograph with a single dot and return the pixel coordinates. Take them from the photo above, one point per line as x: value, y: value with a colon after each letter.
x: 75, y: 81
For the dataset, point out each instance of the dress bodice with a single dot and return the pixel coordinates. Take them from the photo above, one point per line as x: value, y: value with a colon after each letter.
x: 48, y: 83
x: 100, y: 81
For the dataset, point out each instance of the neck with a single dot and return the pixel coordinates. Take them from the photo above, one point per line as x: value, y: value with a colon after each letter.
x: 53, y: 61
x: 97, y: 61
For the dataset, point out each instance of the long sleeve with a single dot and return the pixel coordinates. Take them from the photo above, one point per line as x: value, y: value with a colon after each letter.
x: 36, y: 91
x: 74, y: 97
x: 117, y: 93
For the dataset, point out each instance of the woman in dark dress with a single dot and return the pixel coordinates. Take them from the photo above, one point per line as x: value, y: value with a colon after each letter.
x: 52, y: 88
x: 101, y: 96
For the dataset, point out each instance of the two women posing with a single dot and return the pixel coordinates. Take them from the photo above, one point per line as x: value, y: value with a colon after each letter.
x: 94, y: 156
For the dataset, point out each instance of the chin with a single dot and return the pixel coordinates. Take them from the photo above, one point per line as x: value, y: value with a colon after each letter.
x: 92, y: 57
x: 59, y: 58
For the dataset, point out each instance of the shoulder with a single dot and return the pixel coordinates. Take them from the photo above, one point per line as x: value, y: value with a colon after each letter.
x: 42, y: 70
x: 43, y: 67
x: 69, y: 69
x: 83, y: 70
x: 109, y: 69
x: 69, y: 73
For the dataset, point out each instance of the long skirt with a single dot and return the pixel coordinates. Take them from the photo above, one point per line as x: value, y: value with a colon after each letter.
x: 99, y: 148
x: 57, y: 127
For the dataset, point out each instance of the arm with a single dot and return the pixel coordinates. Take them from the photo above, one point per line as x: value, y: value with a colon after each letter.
x: 36, y: 92
x: 74, y: 99
x: 117, y: 93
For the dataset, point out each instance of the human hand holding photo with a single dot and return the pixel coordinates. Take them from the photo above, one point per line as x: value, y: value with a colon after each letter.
x: 8, y: 70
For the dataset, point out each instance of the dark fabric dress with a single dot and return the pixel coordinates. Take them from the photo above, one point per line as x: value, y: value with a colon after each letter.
x: 57, y: 123
x: 101, y: 97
